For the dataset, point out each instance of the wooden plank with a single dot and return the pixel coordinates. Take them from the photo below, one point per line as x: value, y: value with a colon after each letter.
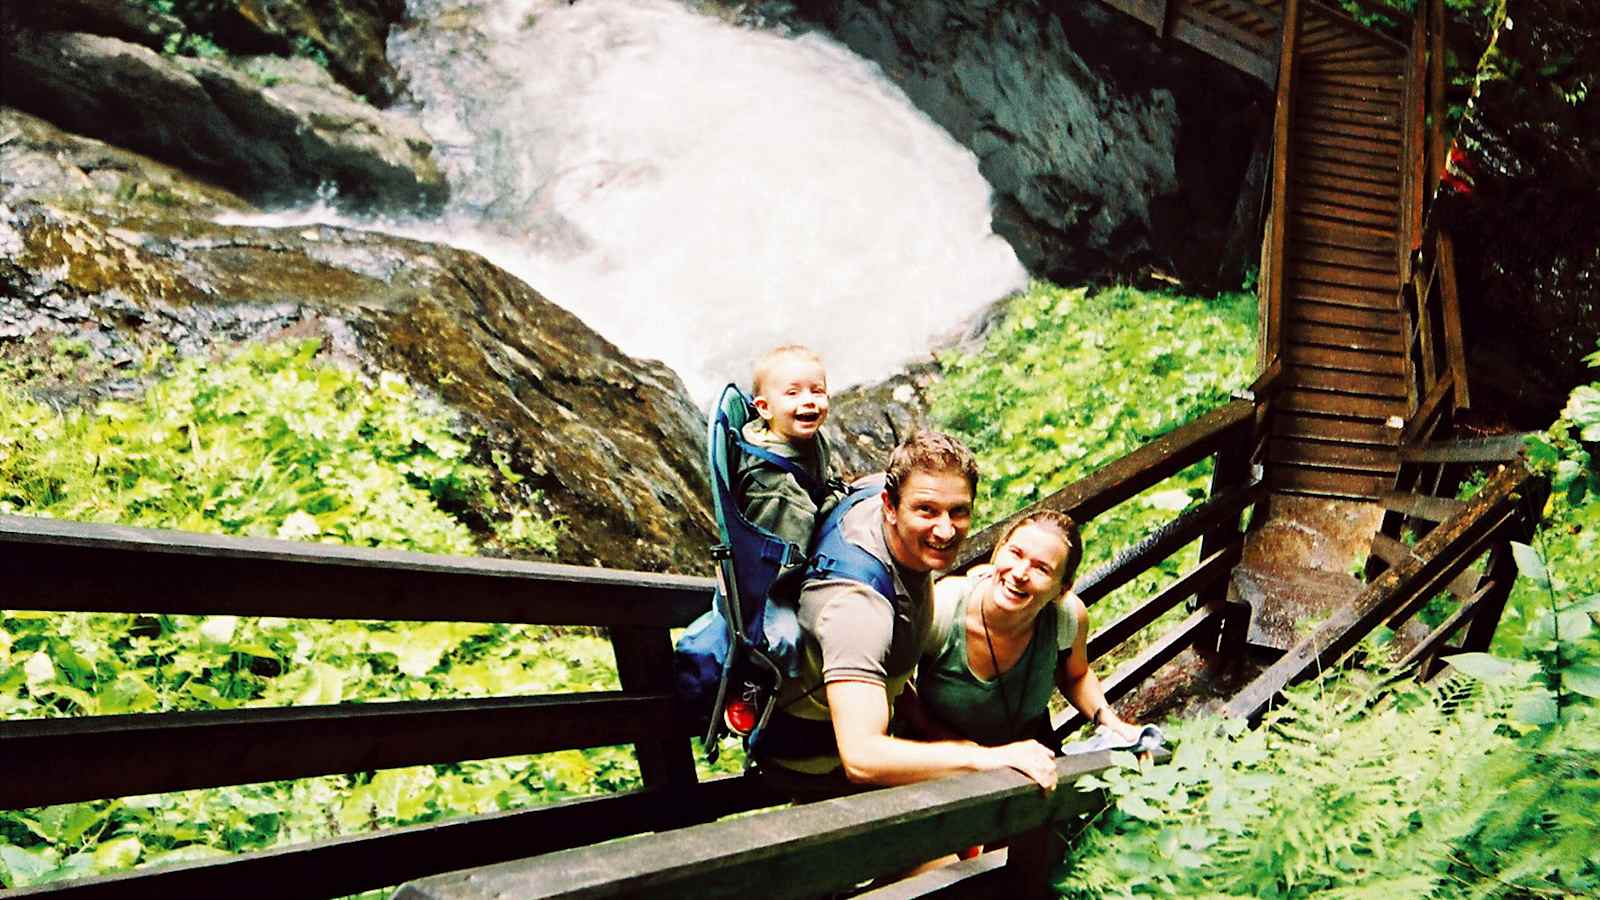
x: 1378, y: 99
x: 1436, y: 639
x: 1237, y: 48
x: 1318, y: 128
x: 1332, y: 404
x: 1347, y: 338
x: 1386, y: 548
x: 1386, y: 206
x: 1342, y: 235
x: 980, y: 876
x: 1319, y: 651
x: 363, y: 862
x: 1290, y: 425
x: 1314, y: 177
x: 76, y: 566
x: 1383, y: 171
x: 1378, y: 150
x: 1166, y: 540
x: 1376, y: 84
x: 1150, y: 12
x: 1339, y: 213
x: 1495, y: 448
x: 1352, y: 457
x: 51, y: 761
x: 1291, y: 479
x: 1450, y: 311
x: 1332, y: 55
x: 1240, y: 35
x: 1422, y: 506
x: 1347, y: 316
x: 1385, y: 284
x: 1124, y: 478
x: 1342, y: 295
x: 1209, y: 571
x: 1133, y: 673
x: 1436, y: 111
x: 1352, y: 382
x: 1422, y: 420
x: 1415, y: 161
x: 1345, y: 360
x: 803, y: 851
x: 1339, y: 68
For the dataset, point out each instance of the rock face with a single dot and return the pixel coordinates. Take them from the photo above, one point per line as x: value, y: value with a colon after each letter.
x: 1108, y: 152
x: 273, y: 130
x: 1525, y: 224
x: 350, y: 34
x: 612, y: 442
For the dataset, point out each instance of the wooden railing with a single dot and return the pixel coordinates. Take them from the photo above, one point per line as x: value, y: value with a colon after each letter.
x: 1274, y: 272
x: 64, y: 566
x: 1447, y: 558
x: 53, y: 565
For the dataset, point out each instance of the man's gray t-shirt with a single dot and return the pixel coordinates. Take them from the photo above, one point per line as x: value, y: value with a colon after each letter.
x: 854, y: 634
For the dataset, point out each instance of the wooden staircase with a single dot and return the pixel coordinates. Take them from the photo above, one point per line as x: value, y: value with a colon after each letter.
x: 1343, y: 337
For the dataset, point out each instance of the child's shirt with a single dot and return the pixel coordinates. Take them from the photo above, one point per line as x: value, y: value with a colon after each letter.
x: 770, y: 497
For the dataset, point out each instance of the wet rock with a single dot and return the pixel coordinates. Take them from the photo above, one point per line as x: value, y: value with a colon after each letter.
x: 1109, y: 151
x: 121, y: 19
x: 274, y: 130
x: 349, y: 34
x: 39, y: 161
x: 612, y: 442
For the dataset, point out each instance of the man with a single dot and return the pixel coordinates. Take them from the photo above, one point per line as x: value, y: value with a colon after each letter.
x: 830, y: 733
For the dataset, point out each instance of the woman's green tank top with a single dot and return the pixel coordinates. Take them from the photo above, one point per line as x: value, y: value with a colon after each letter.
x: 976, y: 708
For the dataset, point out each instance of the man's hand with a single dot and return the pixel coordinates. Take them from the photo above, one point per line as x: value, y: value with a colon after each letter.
x: 1031, y: 758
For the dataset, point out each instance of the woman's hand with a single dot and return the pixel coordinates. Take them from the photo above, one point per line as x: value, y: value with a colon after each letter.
x: 1031, y: 758
x: 1125, y: 731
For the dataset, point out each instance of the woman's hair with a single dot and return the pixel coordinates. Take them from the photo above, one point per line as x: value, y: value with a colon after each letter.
x: 1063, y: 526
x: 929, y: 451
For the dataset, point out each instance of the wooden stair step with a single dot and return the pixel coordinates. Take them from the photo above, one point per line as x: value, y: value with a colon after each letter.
x: 1393, y: 386
x: 1392, y: 68
x: 1340, y: 405
x: 1362, y: 97
x: 1314, y: 193
x: 1341, y: 162
x: 1335, y: 234
x: 1301, y: 288
x: 1350, y: 215
x: 1395, y: 552
x: 1392, y: 86
x: 1315, y: 127
x: 1292, y: 479
x: 1361, y: 361
x: 1327, y: 181
x: 1371, y: 152
x: 1422, y: 506
x: 1351, y: 51
x: 1346, y: 338
x: 1340, y: 430
x: 1337, y: 114
x: 1386, y: 283
x: 1330, y: 40
x: 1346, y: 257
x: 1386, y: 321
x: 1320, y: 455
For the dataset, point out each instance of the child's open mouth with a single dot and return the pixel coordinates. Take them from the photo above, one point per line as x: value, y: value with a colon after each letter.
x: 807, y: 417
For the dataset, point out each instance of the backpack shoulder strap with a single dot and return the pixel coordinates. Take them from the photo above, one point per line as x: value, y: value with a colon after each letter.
x: 833, y: 556
x: 818, y: 491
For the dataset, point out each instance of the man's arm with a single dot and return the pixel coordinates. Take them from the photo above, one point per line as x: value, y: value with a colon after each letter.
x: 870, y: 755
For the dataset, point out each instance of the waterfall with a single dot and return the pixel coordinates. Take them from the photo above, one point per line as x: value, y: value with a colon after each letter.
x: 697, y: 191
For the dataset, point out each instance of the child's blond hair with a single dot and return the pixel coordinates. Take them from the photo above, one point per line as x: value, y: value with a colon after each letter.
x: 769, y: 359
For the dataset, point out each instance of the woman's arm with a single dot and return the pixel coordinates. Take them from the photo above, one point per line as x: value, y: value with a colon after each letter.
x: 1078, y: 683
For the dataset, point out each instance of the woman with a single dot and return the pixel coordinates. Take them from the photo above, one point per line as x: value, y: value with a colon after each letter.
x: 1005, y: 634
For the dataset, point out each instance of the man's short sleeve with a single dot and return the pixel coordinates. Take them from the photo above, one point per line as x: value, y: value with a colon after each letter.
x: 854, y: 628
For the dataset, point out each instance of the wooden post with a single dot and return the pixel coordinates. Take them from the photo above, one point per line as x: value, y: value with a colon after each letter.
x: 1232, y: 470
x: 1283, y: 112
x: 1436, y: 144
x: 1450, y: 312
x: 644, y: 664
x: 1029, y: 859
x: 1413, y: 175
x: 1502, y: 570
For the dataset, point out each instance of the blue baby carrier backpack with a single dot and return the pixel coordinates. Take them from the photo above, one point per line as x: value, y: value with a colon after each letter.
x: 731, y: 662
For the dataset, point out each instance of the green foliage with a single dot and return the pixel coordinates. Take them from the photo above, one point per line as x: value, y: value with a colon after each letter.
x: 1487, y: 786
x: 1070, y: 381
x: 270, y: 443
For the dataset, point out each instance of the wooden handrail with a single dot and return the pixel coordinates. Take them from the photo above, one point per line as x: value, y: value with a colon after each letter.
x: 1124, y: 478
x: 49, y: 761
x: 84, y: 567
x: 803, y: 851
x: 1273, y: 269
x: 1432, y: 564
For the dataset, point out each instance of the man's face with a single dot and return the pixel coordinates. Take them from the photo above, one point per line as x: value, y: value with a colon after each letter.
x: 927, y: 526
x: 794, y: 398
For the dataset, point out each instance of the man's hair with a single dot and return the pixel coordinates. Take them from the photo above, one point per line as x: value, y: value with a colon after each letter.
x: 1064, y: 527
x: 929, y: 451
x: 769, y: 360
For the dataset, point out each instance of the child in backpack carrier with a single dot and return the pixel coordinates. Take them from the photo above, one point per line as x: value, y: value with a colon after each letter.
x: 790, y: 392
x: 790, y: 389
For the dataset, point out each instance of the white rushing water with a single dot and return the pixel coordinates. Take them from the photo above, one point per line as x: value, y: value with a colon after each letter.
x: 698, y: 192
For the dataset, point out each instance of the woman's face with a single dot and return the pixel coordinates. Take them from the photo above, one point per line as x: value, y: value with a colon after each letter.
x: 1027, y: 569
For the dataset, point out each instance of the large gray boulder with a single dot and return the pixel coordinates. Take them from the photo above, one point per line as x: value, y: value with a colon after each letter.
x: 1110, y: 152
x: 94, y: 252
x: 273, y: 130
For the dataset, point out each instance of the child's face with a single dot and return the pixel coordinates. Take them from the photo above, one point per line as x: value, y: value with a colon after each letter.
x: 794, y: 398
